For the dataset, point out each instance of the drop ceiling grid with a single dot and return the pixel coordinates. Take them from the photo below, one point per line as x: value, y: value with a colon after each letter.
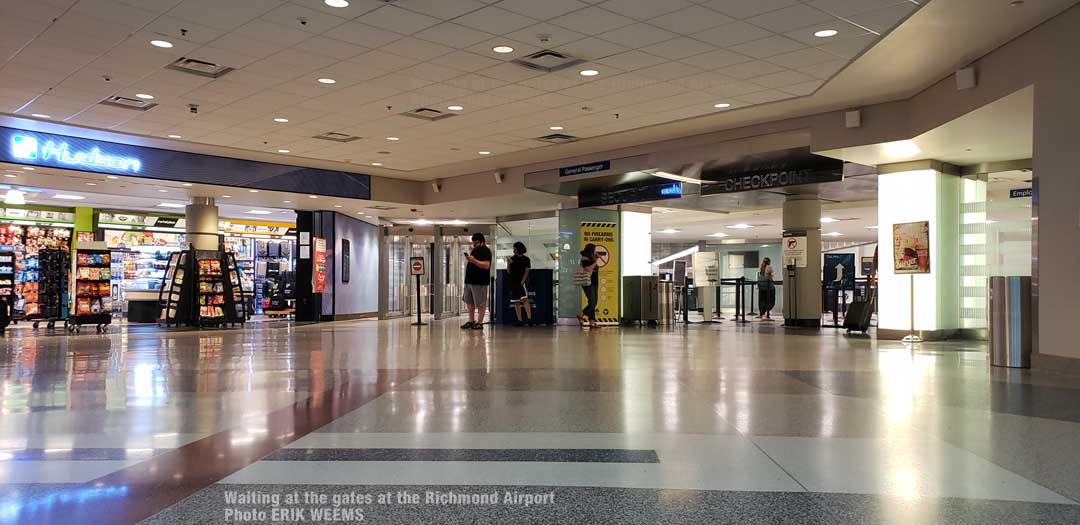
x: 379, y: 55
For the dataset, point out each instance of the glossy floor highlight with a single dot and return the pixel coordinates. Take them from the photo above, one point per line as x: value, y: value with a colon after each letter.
x: 707, y: 423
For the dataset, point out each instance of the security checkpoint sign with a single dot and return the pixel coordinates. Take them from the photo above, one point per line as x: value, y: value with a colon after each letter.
x: 416, y: 266
x: 795, y: 249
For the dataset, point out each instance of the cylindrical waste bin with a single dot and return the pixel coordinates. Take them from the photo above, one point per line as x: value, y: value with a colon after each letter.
x: 666, y: 291
x: 1010, y: 321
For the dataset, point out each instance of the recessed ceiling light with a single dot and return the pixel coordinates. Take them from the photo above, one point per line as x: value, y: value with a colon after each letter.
x: 280, y: 119
x: 113, y: 177
x: 721, y: 105
x: 188, y: 184
x: 764, y: 245
x: 226, y: 196
x: 144, y: 96
x: 555, y: 128
x: 668, y: 230
x: 40, y: 115
x: 717, y: 234
x: 170, y: 205
x: 826, y: 33
x: 740, y: 226
x: 392, y: 138
x: 589, y: 72
x: 28, y: 168
x: 163, y: 191
x: 337, y: 205
x: 91, y: 184
x: 10, y: 176
x: 259, y: 212
x: 253, y: 191
x: 832, y: 234
x: 161, y: 43
x: 827, y: 220
x: 327, y: 81
x: 902, y: 148
x: 503, y: 49
x: 313, y: 196
x: 336, y: 3
x: 286, y: 202
x: 69, y: 197
x: 484, y: 152
x: 283, y: 151
x: 874, y: 227
x: 175, y: 136
x: 455, y: 108
x: 376, y: 164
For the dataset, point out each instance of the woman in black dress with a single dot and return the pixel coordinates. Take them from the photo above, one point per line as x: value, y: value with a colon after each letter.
x: 519, y: 265
x: 590, y: 266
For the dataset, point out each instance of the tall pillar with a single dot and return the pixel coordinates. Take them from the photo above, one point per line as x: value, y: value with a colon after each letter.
x: 438, y: 268
x: 802, y: 298
x: 918, y: 191
x: 201, y: 223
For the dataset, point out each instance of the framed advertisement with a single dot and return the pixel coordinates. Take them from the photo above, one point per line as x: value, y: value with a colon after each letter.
x: 911, y: 247
x: 345, y: 260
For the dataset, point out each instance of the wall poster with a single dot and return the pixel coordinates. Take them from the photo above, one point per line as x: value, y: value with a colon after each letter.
x: 911, y: 247
x: 318, y: 274
x: 345, y: 260
x: 605, y: 235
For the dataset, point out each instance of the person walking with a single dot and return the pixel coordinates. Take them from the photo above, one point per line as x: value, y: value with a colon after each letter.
x: 519, y: 265
x: 590, y: 266
x: 477, y: 280
x: 766, y: 289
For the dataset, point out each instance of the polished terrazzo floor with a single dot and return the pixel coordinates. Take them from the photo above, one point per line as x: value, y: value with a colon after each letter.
x: 383, y: 422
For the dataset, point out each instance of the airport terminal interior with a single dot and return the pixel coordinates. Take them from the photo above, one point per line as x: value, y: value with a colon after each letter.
x: 560, y: 261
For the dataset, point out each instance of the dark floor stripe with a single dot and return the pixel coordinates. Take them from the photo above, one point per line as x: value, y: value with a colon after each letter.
x: 167, y: 478
x: 554, y: 455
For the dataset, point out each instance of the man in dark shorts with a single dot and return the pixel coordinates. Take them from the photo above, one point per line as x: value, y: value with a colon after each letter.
x: 519, y: 265
x: 477, y: 280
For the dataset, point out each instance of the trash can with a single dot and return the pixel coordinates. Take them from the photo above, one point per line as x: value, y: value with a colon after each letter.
x: 667, y: 303
x: 1010, y: 321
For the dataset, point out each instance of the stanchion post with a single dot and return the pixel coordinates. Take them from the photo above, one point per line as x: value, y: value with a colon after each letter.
x: 419, y: 321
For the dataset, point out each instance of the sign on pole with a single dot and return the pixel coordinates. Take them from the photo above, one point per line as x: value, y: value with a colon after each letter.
x: 795, y: 249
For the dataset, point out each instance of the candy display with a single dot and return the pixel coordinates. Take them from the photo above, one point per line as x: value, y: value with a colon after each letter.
x: 93, y: 299
x: 34, y: 267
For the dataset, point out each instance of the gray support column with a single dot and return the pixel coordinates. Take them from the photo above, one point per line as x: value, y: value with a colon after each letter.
x: 802, y: 302
x: 384, y: 271
x: 438, y: 280
x: 201, y: 223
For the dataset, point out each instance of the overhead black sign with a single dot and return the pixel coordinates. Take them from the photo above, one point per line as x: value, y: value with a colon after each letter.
x: 780, y: 169
x: 626, y: 195
x: 585, y: 168
x: 165, y: 222
x: 1019, y: 194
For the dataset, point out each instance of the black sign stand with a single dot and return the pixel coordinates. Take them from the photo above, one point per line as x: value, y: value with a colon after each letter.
x: 418, y: 322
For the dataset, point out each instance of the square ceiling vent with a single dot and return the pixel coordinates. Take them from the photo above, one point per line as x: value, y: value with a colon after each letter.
x: 428, y: 114
x: 128, y: 103
x: 557, y: 138
x: 548, y: 61
x: 336, y: 137
x: 199, y: 67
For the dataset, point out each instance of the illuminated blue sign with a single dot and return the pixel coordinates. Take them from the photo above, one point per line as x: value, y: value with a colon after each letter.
x: 671, y: 190
x: 25, y: 147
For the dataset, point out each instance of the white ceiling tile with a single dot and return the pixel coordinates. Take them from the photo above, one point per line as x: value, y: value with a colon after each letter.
x: 637, y: 35
x: 515, y: 92
x: 852, y: 7
x: 245, y: 46
x: 850, y: 47
x: 417, y: 49
x: 289, y: 64
x: 747, y: 8
x: 592, y: 20
x: 383, y: 61
x: 443, y: 91
x: 347, y: 73
x: 303, y: 18
x: 509, y: 72
x: 398, y: 20
x: 441, y: 9
x: 475, y: 82
x: 131, y: 16
x: 644, y: 9
x: 691, y: 20
x: 767, y: 47
x: 705, y: 81
x: 782, y: 79
x: 883, y: 20
x: 668, y: 71
x: 631, y: 60
x: 846, y: 30
x: 731, y: 34
x: 465, y: 61
x: 264, y: 31
x: 222, y: 15
x: 552, y: 82
x: 762, y: 97
x: 40, y: 12
x: 677, y: 48
x: 552, y: 100
x: 353, y: 10
x: 716, y: 59
x: 591, y: 48
x: 746, y: 70
x: 802, y: 58
x: 546, y: 35
x: 689, y: 98
x: 454, y: 35
x: 790, y: 18
x: 495, y: 21
x: 824, y: 70
x: 330, y: 47
x: 362, y: 35
x: 224, y: 57
x: 487, y: 48
x: 544, y: 10
x: 171, y: 27
x: 735, y: 89
x: 432, y: 72
x: 804, y: 88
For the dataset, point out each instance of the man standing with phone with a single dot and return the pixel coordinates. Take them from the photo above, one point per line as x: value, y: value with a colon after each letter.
x: 477, y: 280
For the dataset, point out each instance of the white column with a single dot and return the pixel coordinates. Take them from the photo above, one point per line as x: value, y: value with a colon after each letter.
x: 201, y: 223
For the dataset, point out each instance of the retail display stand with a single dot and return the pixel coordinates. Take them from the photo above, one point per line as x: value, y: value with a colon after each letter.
x: 93, y: 294
x: 7, y: 286
x: 45, y: 285
x: 175, y: 294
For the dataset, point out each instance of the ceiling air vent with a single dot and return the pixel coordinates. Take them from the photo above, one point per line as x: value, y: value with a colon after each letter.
x: 199, y: 67
x: 557, y: 138
x: 336, y: 137
x: 128, y: 103
x: 428, y: 114
x: 382, y: 208
x: 548, y: 61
